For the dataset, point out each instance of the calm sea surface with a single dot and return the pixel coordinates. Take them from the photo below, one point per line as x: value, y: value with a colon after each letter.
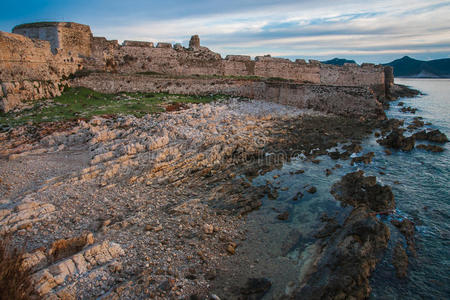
x: 424, y: 197
x: 421, y: 184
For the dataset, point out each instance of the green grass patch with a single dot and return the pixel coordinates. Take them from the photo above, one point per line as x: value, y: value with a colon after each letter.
x: 77, y: 103
x: 150, y: 73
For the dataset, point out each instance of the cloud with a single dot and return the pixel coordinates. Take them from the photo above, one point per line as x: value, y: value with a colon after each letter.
x: 313, y: 28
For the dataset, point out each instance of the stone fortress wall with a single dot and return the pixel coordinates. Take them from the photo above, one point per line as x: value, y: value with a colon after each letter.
x: 36, y: 59
x: 132, y: 57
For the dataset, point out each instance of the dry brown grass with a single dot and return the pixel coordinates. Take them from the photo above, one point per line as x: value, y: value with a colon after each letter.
x: 15, y: 282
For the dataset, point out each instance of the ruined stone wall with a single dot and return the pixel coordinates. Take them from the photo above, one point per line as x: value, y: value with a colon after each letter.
x: 75, y: 39
x: 346, y: 101
x: 238, y: 65
x: 284, y: 68
x: 102, y: 55
x: 29, y: 70
x: 134, y: 57
x: 353, y: 75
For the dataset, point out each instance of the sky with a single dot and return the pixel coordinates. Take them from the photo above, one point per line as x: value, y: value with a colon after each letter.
x: 366, y: 31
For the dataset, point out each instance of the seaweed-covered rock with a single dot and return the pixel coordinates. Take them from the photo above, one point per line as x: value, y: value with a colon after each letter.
x: 408, y: 109
x: 416, y: 123
x: 366, y: 158
x: 431, y: 148
x: 433, y: 136
x: 355, y: 189
x: 347, y: 259
x: 403, y: 91
x: 397, y: 140
x: 406, y: 227
x: 437, y: 136
x: 400, y: 260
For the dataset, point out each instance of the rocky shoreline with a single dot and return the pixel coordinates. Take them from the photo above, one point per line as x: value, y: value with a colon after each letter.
x: 156, y: 207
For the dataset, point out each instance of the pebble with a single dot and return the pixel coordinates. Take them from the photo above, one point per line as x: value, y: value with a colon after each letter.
x: 231, y: 248
x: 208, y: 229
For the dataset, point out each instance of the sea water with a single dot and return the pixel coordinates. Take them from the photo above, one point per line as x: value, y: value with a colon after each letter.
x: 422, y: 196
x: 420, y: 181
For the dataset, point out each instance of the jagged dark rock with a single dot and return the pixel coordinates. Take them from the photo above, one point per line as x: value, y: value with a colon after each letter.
x: 353, y: 148
x: 408, y: 109
x: 366, y: 158
x: 431, y: 148
x: 347, y: 258
x: 432, y: 136
x: 397, y: 140
x: 357, y: 190
x: 406, y: 227
x: 436, y: 136
x: 400, y: 260
x: 403, y: 91
x: 416, y: 123
x: 312, y: 190
x: 283, y: 216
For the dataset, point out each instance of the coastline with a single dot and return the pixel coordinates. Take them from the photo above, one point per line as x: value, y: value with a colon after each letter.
x: 207, y: 191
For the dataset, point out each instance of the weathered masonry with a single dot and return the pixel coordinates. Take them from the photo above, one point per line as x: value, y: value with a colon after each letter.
x: 37, y: 58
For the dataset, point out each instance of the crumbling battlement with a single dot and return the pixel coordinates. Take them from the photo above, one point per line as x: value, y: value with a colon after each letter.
x: 44, y: 53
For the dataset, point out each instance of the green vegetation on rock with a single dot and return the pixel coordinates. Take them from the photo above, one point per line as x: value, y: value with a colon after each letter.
x: 76, y: 103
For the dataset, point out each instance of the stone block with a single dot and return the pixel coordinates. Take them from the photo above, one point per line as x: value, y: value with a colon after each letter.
x: 164, y: 45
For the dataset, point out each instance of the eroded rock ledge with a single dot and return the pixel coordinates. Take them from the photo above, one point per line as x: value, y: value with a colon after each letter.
x: 348, y: 253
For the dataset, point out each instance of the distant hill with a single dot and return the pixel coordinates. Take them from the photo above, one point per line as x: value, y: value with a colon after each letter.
x: 338, y: 61
x: 410, y: 67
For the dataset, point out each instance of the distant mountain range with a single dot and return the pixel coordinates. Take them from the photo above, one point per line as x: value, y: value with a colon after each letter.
x: 338, y: 61
x: 410, y: 67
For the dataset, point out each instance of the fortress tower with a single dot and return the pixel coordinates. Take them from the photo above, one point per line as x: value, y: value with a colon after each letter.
x: 63, y: 36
